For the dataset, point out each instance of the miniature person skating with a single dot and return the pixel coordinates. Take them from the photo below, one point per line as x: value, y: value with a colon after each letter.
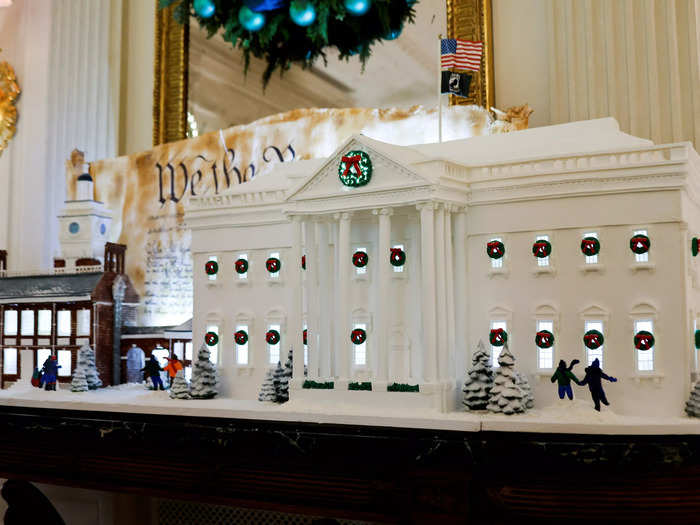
x: 50, y: 371
x: 563, y: 376
x: 594, y: 374
x: 172, y: 367
x: 153, y: 370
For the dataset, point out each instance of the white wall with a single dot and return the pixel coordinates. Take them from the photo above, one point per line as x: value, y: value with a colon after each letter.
x: 635, y: 60
x: 617, y: 289
x: 66, y: 56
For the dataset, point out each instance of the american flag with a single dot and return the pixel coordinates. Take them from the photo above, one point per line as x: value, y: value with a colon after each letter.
x: 460, y: 54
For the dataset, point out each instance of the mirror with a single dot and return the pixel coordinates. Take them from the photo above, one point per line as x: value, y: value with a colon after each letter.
x: 200, y: 86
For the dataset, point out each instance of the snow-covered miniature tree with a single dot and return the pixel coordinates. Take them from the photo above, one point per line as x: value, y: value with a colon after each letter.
x: 479, y: 379
x: 692, y: 406
x: 524, y: 384
x: 204, y: 380
x: 267, y: 390
x: 281, y: 383
x: 79, y: 382
x: 88, y: 358
x: 506, y: 396
x: 180, y: 389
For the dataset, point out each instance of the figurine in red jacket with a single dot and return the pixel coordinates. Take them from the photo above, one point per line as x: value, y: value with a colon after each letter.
x: 172, y: 367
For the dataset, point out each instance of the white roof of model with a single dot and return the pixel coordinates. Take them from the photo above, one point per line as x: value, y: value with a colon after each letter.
x: 549, y: 141
x: 277, y: 177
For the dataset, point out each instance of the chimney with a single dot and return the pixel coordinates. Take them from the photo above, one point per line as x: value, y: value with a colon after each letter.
x: 114, y: 257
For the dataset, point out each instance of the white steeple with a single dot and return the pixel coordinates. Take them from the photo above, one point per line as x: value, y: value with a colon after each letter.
x: 84, y: 222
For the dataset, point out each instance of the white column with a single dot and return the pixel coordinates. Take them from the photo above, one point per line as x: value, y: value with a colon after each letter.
x: 295, y: 328
x: 441, y: 291
x: 325, y: 339
x: 460, y: 286
x: 449, y: 276
x: 312, y: 297
x: 383, y: 291
x: 342, y: 341
x: 427, y: 240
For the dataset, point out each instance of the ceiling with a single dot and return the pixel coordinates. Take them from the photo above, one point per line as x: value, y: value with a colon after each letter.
x: 400, y: 73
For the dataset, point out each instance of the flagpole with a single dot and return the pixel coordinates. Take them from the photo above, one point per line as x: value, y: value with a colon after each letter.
x: 439, y: 86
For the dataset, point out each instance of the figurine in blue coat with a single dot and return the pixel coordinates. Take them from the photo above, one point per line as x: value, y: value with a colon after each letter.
x: 50, y: 371
x: 594, y: 374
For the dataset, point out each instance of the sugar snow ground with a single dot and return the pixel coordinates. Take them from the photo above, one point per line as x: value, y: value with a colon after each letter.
x: 571, y: 417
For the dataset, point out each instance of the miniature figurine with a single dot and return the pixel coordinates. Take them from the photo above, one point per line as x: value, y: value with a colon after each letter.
x: 593, y: 376
x: 50, y: 371
x: 172, y: 367
x: 37, y: 378
x: 135, y: 361
x: 153, y: 370
x: 563, y: 376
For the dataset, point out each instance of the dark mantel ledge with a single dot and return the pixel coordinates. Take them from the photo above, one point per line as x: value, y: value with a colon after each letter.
x: 362, y: 472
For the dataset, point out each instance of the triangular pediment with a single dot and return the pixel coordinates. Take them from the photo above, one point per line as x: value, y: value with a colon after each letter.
x: 388, y: 172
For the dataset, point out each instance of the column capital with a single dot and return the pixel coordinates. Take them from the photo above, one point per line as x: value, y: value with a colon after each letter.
x: 294, y: 217
x: 383, y: 211
x: 343, y: 216
x: 429, y: 205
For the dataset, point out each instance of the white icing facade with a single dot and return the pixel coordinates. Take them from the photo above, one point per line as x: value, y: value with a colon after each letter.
x: 442, y: 203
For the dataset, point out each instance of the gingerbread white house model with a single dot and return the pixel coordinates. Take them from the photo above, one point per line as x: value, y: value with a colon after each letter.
x: 387, y: 264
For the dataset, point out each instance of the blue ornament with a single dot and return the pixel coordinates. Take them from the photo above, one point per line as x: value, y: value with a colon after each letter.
x: 303, y: 12
x: 264, y: 5
x: 393, y: 34
x: 250, y: 20
x: 358, y: 7
x: 204, y: 8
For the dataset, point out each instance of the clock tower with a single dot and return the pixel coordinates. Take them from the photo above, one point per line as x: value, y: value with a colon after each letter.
x: 84, y: 223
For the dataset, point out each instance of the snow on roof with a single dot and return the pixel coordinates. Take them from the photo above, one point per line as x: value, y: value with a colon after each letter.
x: 48, y: 286
x: 549, y: 141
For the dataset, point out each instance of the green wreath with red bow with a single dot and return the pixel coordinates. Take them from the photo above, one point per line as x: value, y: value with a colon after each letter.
x: 544, y: 339
x: 495, y: 249
x: 355, y: 169
x: 694, y: 246
x: 272, y: 337
x: 640, y: 244
x: 541, y: 248
x: 241, y: 337
x: 273, y: 264
x: 211, y: 338
x: 241, y: 266
x: 360, y: 259
x: 358, y: 336
x: 211, y: 267
x: 593, y: 339
x: 590, y: 246
x: 397, y: 257
x: 644, y: 340
x: 498, y: 337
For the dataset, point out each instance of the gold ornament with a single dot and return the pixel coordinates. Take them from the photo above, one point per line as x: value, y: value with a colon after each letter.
x: 9, y: 92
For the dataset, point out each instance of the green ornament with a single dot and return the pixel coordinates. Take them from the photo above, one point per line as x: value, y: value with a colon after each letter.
x: 355, y: 169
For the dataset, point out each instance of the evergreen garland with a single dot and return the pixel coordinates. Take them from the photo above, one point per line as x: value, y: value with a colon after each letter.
x: 281, y: 42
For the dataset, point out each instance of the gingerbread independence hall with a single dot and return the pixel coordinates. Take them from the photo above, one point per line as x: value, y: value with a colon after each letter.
x: 349, y: 261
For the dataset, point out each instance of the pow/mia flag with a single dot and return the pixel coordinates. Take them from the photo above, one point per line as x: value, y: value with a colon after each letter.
x: 455, y: 83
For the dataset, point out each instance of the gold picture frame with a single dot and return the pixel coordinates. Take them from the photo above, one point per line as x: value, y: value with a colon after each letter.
x: 170, y: 77
x: 472, y: 20
x: 468, y: 19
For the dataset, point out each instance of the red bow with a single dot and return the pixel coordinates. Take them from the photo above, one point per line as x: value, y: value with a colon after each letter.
x: 350, y: 162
